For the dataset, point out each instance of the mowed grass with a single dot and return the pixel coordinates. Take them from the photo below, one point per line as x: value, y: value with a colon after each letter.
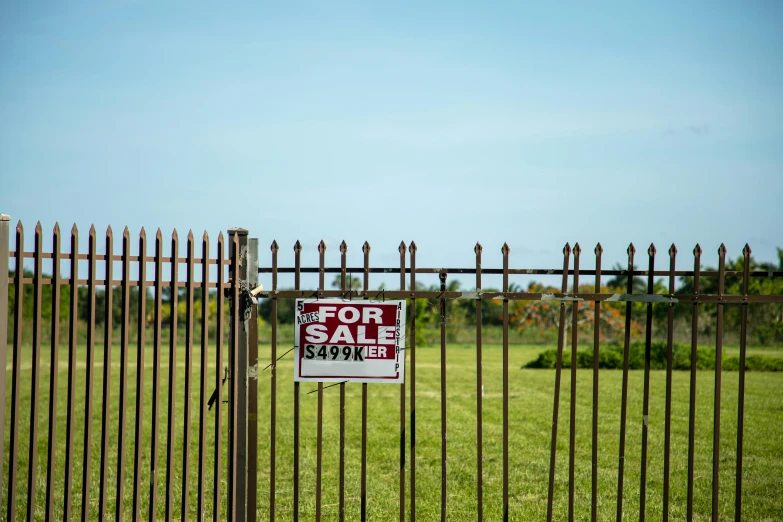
x: 530, y: 419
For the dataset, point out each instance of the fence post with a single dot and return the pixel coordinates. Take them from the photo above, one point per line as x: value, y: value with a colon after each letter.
x: 252, y: 387
x: 4, y: 221
x: 244, y: 310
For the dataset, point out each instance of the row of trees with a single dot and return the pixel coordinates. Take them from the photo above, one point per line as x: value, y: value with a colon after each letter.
x: 765, y: 321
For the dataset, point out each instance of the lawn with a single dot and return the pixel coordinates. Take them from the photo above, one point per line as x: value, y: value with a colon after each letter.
x: 531, y: 395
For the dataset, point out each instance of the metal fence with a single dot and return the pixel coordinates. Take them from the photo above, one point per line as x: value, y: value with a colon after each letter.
x: 564, y: 298
x: 239, y: 463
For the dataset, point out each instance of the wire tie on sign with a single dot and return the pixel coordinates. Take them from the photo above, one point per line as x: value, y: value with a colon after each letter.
x: 270, y: 364
x: 325, y: 387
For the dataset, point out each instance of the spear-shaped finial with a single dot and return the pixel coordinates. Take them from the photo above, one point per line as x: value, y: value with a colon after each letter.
x: 651, y: 250
x: 343, y: 247
x: 672, y: 250
x: 478, y: 248
x: 412, y: 248
x: 366, y: 247
x: 631, y: 250
x: 746, y: 250
x: 274, y: 247
x: 697, y: 250
x: 505, y: 249
x: 598, y: 250
x: 401, y: 248
x: 567, y: 249
x: 577, y: 249
x: 722, y: 250
x: 297, y: 246
x: 321, y: 247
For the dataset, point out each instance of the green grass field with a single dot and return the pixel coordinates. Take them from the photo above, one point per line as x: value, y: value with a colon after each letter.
x: 531, y: 397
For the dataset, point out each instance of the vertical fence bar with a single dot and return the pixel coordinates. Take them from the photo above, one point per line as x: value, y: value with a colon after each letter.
x: 669, y: 367
x: 108, y: 326
x: 4, y: 280
x: 558, y: 371
x: 153, y: 516
x: 89, y: 378
x: 273, y: 390
x: 141, y: 329
x: 412, y: 251
x: 233, y: 280
x: 242, y: 309
x: 505, y: 251
x: 363, y: 478
x: 718, y: 372
x: 343, y: 287
x: 572, y: 406
x: 54, y: 356
x: 186, y: 401
x: 297, y: 268
x: 123, y: 373
x: 72, y: 340
x: 221, y: 310
x: 203, y: 362
x: 443, y: 454
x: 694, y: 358
x: 401, y: 250
x: 172, y: 398
x: 251, y: 378
x: 319, y: 421
x: 32, y: 458
x: 741, y: 391
x: 13, y: 454
x: 479, y: 395
x: 596, y: 345
x: 624, y: 401
x: 651, y: 251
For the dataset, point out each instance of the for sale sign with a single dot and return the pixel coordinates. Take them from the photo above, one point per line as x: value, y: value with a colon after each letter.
x: 356, y: 341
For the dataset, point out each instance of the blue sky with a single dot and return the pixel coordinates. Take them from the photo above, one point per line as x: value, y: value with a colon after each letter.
x: 447, y: 124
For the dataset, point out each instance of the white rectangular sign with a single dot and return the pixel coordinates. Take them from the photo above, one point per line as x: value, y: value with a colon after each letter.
x: 356, y: 341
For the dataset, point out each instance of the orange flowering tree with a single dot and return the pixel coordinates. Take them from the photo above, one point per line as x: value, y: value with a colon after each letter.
x: 544, y: 316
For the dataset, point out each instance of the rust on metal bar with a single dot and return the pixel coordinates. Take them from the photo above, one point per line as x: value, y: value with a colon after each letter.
x: 54, y: 356
x: 741, y: 391
x: 108, y: 325
x: 505, y: 251
x: 401, y: 250
x: 412, y: 343
x: 443, y: 453
x: 669, y: 367
x: 32, y: 458
x: 363, y: 472
x: 186, y: 401
x: 572, y: 406
x: 89, y: 378
x: 624, y: 401
x: 174, y: 305
x: 203, y: 367
x: 297, y: 264
x: 319, y: 420
x: 273, y: 391
x: 479, y: 395
x: 72, y: 342
x: 141, y: 320
x: 156, y: 366
x: 341, y: 501
x: 596, y: 347
x: 651, y: 251
x: 221, y: 307
x: 556, y: 403
x: 123, y: 373
x: 718, y: 372
x: 692, y: 393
